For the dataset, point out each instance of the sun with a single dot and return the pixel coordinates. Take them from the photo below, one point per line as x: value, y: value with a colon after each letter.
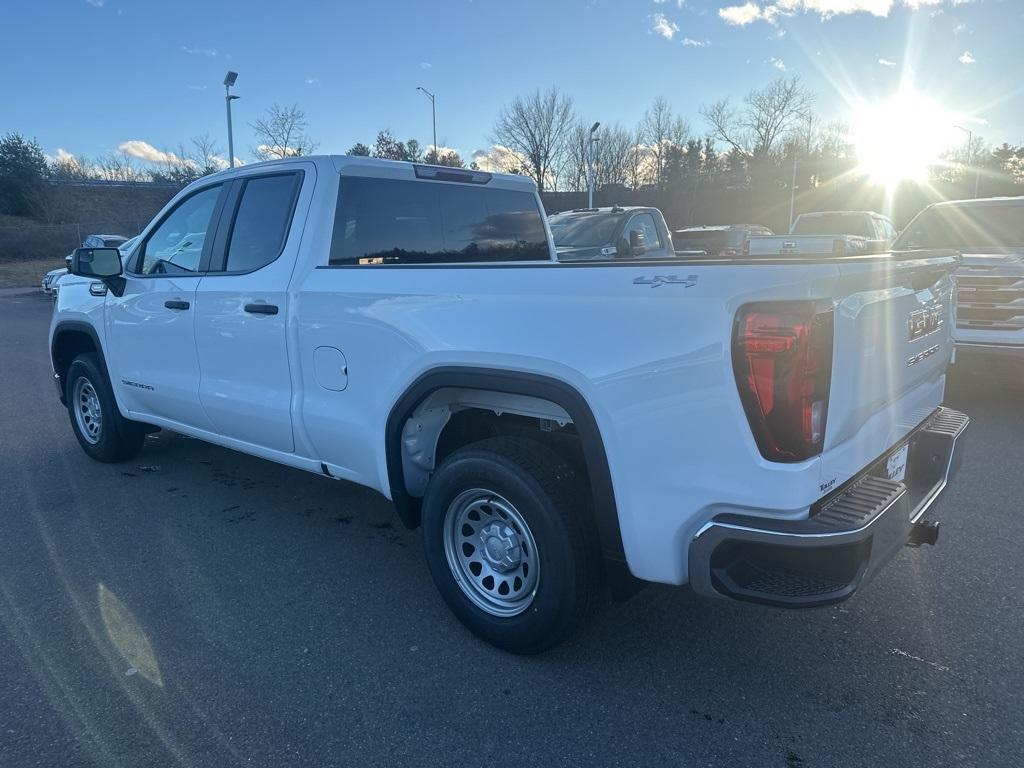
x: 900, y: 138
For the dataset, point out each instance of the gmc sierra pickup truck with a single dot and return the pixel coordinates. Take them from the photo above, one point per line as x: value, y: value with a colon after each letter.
x: 989, y: 233
x: 770, y: 433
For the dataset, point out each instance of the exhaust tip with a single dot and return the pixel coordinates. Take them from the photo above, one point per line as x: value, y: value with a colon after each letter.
x: 924, y: 532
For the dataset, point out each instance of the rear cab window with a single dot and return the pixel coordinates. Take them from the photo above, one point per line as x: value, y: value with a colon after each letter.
x: 395, y: 221
x: 262, y: 217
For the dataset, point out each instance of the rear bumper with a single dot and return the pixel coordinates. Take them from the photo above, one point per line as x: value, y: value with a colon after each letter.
x: 847, y: 539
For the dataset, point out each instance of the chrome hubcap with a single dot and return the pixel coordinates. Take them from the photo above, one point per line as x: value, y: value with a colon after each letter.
x: 491, y: 552
x: 88, y: 413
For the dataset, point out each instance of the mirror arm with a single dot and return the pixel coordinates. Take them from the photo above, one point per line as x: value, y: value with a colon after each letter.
x: 116, y: 284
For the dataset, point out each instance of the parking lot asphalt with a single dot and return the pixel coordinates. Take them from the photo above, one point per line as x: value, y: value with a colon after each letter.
x: 198, y: 607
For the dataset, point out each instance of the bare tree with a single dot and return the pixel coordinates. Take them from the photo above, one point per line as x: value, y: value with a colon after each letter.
x: 118, y: 166
x: 661, y: 131
x: 282, y: 133
x: 613, y: 153
x: 638, y: 161
x: 760, y: 126
x: 537, y: 128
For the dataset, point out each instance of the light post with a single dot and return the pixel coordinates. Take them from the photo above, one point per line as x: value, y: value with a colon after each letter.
x: 590, y: 164
x: 433, y: 116
x: 792, y: 196
x: 229, y: 80
x: 970, y: 155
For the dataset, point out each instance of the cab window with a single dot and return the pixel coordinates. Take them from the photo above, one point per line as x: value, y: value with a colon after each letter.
x: 261, y: 221
x: 645, y: 222
x: 175, y: 247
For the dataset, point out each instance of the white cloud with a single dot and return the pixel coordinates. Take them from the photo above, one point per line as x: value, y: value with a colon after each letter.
x: 741, y: 15
x: 312, y: 80
x: 679, y: 3
x: 143, y: 150
x: 662, y: 25
x: 425, y: 65
x: 751, y: 11
x: 887, y: 62
x: 967, y: 58
x: 194, y: 51
x: 779, y: 64
x: 96, y: 3
x: 696, y: 43
x: 498, y: 159
x: 197, y: 87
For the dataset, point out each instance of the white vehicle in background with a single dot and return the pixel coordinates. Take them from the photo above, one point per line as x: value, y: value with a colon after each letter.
x: 51, y: 278
x: 825, y: 232
x: 768, y: 433
x: 989, y: 233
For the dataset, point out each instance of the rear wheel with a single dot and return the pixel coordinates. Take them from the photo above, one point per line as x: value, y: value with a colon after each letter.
x: 506, y: 544
x: 101, y: 430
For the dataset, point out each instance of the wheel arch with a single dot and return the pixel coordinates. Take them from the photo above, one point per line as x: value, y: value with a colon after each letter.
x: 556, y: 391
x: 70, y: 339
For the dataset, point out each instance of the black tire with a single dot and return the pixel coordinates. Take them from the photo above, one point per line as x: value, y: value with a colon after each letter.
x: 115, y: 438
x: 544, y: 492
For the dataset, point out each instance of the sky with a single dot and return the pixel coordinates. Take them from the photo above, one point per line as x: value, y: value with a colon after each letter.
x: 92, y: 76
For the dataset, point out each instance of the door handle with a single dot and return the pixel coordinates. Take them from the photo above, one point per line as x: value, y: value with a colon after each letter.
x: 261, y: 309
x: 176, y: 304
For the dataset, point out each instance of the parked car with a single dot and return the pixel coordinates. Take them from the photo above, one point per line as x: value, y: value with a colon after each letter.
x: 594, y: 234
x: 724, y: 240
x: 51, y: 278
x: 989, y: 233
x: 765, y: 433
x: 824, y: 232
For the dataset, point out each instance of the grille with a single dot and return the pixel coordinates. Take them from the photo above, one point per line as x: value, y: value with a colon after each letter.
x: 988, y: 302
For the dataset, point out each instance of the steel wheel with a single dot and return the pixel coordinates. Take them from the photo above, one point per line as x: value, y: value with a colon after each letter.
x: 88, y: 413
x: 491, y: 552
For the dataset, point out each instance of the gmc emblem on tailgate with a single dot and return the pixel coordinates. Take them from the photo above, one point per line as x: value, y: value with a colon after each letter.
x: 924, y: 321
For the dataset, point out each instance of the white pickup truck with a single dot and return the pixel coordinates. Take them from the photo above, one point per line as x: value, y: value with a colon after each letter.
x: 828, y: 232
x: 770, y: 433
x: 989, y: 233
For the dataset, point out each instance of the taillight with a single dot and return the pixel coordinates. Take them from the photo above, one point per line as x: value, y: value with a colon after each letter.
x: 782, y: 358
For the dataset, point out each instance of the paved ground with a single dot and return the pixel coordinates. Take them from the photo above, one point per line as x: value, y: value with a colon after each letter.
x: 199, y: 607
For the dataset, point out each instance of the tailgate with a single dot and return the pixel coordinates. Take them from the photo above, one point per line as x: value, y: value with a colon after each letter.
x: 893, y: 323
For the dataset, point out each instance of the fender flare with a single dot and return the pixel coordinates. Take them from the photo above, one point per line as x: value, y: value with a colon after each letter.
x: 606, y: 517
x: 74, y: 326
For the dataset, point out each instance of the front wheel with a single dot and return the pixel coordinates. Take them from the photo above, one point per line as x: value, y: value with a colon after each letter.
x: 506, y: 544
x: 101, y: 430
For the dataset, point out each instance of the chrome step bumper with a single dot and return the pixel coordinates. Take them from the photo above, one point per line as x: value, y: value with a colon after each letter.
x: 847, y: 538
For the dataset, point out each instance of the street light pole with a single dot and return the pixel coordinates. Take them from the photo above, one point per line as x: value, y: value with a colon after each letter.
x: 590, y: 164
x: 970, y: 155
x: 229, y: 80
x: 792, y: 196
x: 433, y: 115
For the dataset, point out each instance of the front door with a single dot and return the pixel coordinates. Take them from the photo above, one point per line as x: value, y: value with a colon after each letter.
x: 151, y: 328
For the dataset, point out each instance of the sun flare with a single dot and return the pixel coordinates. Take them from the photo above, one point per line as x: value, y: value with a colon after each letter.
x: 901, y: 138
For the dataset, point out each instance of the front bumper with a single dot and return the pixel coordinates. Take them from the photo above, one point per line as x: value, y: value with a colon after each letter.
x: 845, y: 541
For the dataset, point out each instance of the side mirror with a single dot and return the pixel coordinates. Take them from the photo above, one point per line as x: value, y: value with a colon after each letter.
x: 637, y: 242
x: 101, y: 263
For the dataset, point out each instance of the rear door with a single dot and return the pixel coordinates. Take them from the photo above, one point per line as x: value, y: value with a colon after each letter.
x: 150, y: 328
x: 242, y: 307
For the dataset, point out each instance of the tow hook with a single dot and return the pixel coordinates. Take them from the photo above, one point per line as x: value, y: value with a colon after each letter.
x: 923, y: 532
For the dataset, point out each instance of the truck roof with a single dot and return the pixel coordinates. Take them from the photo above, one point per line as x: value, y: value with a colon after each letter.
x: 608, y: 209
x: 355, y: 165
x: 980, y: 201
x: 719, y: 227
x: 812, y: 214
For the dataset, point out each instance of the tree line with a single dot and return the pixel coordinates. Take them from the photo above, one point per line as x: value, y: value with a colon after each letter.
x: 752, y: 143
